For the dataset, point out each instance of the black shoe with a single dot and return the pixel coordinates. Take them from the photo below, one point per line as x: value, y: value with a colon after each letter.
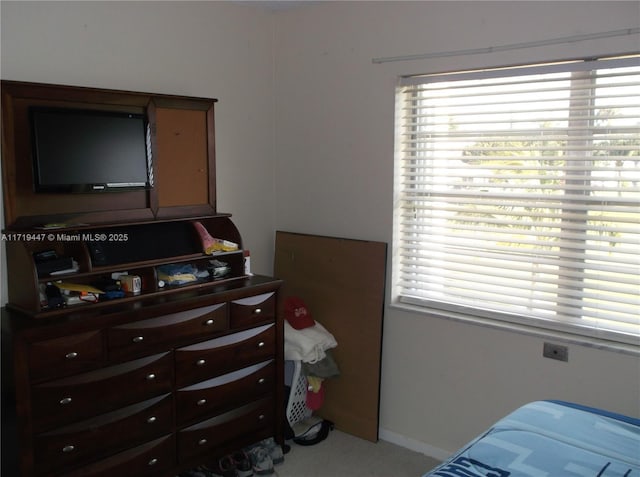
x: 223, y: 468
x: 244, y: 467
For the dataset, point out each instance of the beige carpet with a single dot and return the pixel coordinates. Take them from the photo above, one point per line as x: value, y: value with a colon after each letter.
x: 343, y: 455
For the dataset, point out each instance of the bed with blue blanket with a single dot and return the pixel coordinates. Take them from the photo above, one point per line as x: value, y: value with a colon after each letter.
x: 551, y: 439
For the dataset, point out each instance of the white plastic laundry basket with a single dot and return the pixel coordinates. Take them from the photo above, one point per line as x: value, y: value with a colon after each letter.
x: 297, y: 409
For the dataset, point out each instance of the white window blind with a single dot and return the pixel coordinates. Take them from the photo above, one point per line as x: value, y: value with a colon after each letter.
x: 518, y: 195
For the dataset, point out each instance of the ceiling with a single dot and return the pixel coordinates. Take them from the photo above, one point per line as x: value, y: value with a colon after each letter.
x: 277, y: 5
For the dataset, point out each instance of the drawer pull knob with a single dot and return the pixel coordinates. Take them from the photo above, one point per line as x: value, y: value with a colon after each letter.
x: 151, y: 377
x: 261, y: 344
x: 202, y: 442
x: 138, y: 339
x: 68, y: 448
x: 257, y: 311
x: 201, y: 402
x: 152, y: 419
x: 201, y: 362
x: 66, y: 400
x: 209, y: 322
x: 261, y: 381
x: 71, y: 355
x: 261, y: 417
x: 153, y: 461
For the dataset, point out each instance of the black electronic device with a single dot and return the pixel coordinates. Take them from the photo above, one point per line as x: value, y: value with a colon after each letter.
x: 54, y: 297
x: 81, y: 151
x: 96, y: 251
x: 48, y: 261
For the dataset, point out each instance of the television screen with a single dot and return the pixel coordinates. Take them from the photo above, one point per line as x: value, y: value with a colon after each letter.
x: 89, y: 151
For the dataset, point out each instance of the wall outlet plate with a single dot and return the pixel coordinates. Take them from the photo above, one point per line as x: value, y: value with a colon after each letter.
x: 555, y: 351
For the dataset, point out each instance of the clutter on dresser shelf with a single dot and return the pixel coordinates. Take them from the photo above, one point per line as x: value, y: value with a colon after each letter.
x: 220, y: 245
x: 61, y: 225
x: 61, y: 293
x: 247, y: 262
x: 74, y: 268
x: 112, y: 287
x: 218, y: 269
x: 179, y: 273
x: 70, y: 294
x: 122, y: 282
x: 210, y: 244
x: 49, y: 263
x: 50, y: 296
x: 185, y: 273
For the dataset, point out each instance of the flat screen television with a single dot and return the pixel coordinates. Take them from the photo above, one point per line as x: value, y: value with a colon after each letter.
x: 83, y: 151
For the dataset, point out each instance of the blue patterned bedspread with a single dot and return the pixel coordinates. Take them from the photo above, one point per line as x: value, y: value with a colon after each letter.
x: 551, y: 439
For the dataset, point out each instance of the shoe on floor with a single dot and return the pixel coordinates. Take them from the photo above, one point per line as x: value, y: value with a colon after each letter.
x: 274, y: 450
x: 244, y: 467
x: 225, y: 467
x: 260, y: 460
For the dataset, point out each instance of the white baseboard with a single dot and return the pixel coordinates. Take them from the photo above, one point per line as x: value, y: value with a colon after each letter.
x: 413, y: 444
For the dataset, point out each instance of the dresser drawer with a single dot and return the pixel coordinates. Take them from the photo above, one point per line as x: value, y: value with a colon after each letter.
x: 70, y: 399
x: 150, y: 459
x: 66, y: 355
x: 133, y: 338
x: 225, y: 391
x: 253, y: 310
x: 206, y: 435
x: 212, y: 358
x: 103, y: 434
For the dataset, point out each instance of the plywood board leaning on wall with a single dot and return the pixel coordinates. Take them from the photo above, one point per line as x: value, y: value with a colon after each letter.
x: 342, y: 281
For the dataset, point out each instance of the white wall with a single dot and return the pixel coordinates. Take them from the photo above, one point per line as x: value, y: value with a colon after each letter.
x: 208, y: 49
x: 443, y: 381
x: 305, y: 143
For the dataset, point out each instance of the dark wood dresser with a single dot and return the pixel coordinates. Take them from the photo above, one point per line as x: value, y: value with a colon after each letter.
x: 166, y: 376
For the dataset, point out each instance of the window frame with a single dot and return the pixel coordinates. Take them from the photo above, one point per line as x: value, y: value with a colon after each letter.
x: 465, y: 312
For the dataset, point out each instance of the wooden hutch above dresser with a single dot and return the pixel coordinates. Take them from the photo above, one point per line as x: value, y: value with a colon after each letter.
x: 130, y: 347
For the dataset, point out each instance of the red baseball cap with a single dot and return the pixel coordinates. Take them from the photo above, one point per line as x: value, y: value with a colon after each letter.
x: 297, y: 313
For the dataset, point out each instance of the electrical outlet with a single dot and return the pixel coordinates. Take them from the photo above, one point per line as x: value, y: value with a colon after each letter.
x: 555, y: 351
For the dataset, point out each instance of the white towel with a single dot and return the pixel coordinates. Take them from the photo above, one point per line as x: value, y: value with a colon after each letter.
x: 308, y: 345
